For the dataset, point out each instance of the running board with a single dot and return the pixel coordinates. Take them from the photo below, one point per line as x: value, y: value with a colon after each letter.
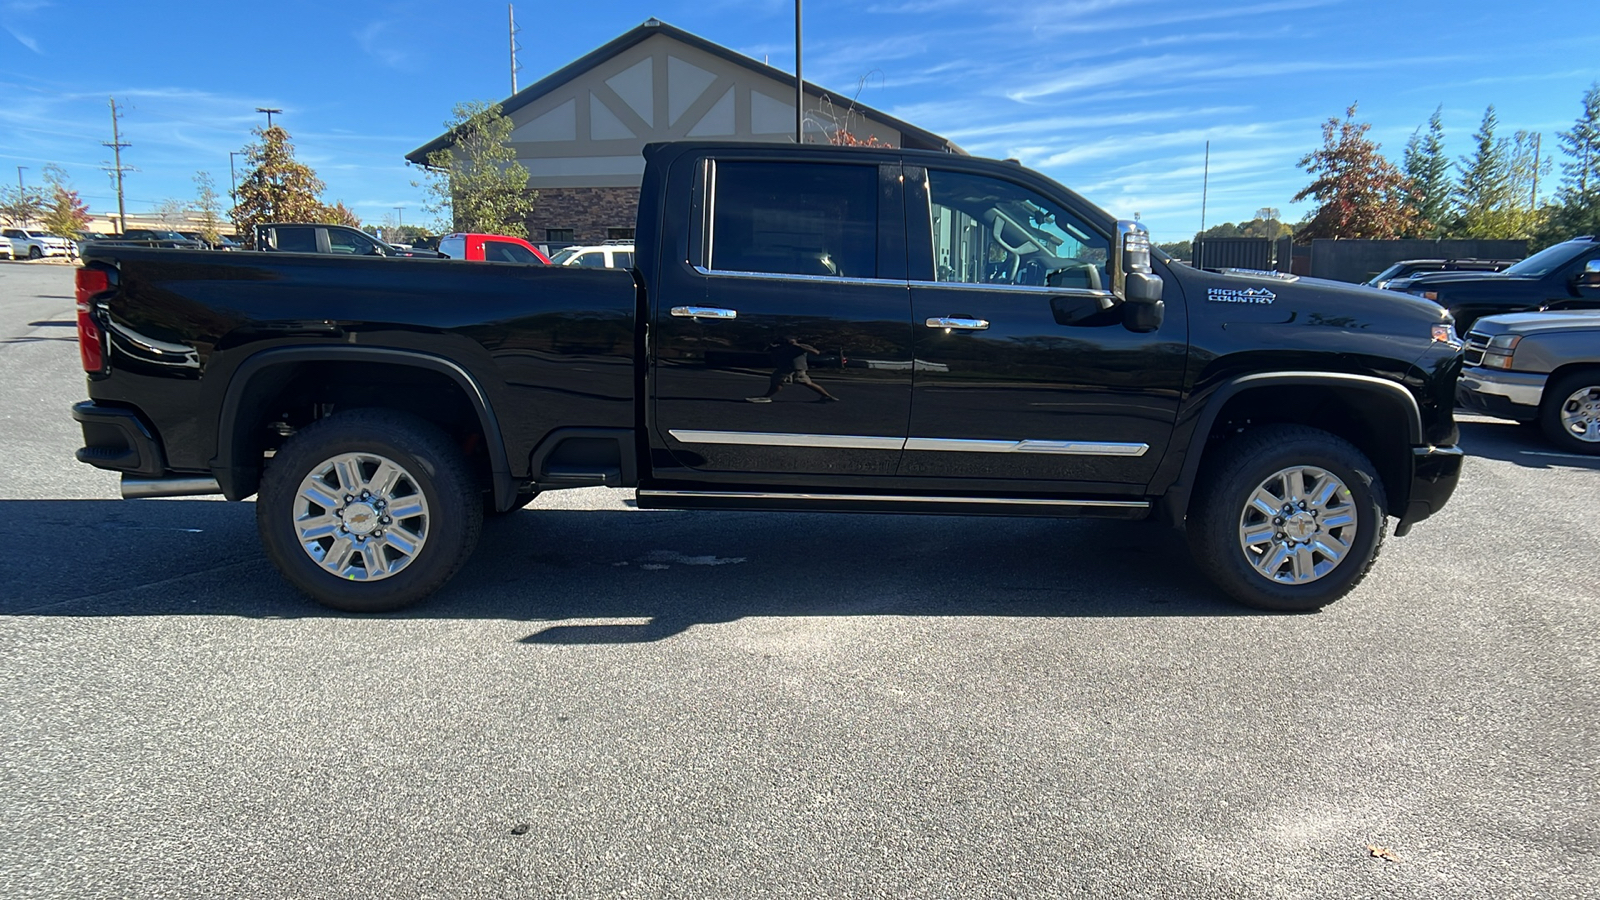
x: 648, y: 498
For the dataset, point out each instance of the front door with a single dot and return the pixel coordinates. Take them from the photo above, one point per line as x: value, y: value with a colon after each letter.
x: 782, y: 346
x: 1024, y: 370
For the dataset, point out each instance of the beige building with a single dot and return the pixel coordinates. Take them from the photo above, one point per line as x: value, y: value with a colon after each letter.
x: 580, y: 131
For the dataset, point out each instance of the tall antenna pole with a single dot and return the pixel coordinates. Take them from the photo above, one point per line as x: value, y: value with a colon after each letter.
x: 799, y: 85
x: 1205, y: 186
x: 116, y: 146
x: 511, y: 20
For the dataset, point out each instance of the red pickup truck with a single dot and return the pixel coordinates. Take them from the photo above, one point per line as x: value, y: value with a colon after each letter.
x: 491, y: 248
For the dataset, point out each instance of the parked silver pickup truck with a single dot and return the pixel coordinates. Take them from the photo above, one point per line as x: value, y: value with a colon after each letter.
x: 1541, y: 367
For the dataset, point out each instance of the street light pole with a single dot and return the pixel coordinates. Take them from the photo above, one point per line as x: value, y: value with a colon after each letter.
x: 20, y: 188
x: 799, y: 84
x: 400, y: 219
x: 269, y: 112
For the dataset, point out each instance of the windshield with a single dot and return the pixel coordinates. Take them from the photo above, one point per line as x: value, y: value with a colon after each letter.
x: 1548, y: 260
x: 1386, y: 274
x: 561, y: 257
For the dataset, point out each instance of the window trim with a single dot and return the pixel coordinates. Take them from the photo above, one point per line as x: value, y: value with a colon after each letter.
x: 787, y: 276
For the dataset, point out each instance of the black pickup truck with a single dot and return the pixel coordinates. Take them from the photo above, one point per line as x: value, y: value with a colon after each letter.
x: 1561, y: 276
x: 807, y: 328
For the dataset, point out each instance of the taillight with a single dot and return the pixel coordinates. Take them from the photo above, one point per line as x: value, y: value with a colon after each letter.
x: 91, y: 347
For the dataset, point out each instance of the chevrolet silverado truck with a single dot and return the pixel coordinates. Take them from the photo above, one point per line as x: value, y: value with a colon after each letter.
x: 1538, y: 368
x: 1561, y: 276
x: 805, y: 329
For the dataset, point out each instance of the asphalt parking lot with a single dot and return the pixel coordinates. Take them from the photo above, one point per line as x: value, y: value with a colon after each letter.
x: 612, y: 702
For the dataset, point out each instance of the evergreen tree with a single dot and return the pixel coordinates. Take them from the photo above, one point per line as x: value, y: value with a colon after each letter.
x: 477, y: 184
x: 1576, y: 208
x: 276, y: 187
x: 1359, y: 193
x: 1427, y: 170
x: 1484, y: 193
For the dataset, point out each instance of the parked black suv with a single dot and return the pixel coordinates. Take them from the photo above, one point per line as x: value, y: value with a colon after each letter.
x: 1409, y: 268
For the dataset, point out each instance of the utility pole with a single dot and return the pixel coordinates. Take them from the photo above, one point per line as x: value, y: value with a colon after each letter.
x: 799, y: 84
x: 269, y: 112
x: 233, y: 179
x: 511, y: 21
x: 1205, y: 185
x: 400, y: 218
x: 1533, y: 202
x: 20, y: 188
x: 118, y: 168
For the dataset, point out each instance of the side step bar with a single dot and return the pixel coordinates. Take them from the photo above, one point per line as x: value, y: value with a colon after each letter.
x: 136, y: 487
x: 649, y: 498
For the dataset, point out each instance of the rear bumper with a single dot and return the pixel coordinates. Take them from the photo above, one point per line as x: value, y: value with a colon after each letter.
x: 1504, y: 395
x: 1435, y: 471
x: 118, y: 439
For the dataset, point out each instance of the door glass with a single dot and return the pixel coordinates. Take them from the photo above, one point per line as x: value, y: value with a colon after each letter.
x: 298, y: 239
x: 987, y: 231
x: 795, y: 219
x: 594, y: 259
x: 505, y: 251
x: 623, y: 259
x: 345, y: 242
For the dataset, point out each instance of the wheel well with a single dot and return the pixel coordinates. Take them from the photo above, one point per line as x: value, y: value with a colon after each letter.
x: 1568, y: 369
x: 284, y: 398
x: 1364, y: 419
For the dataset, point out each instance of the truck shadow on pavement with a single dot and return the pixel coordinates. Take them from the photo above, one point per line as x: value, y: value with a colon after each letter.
x: 1524, y: 445
x: 662, y: 572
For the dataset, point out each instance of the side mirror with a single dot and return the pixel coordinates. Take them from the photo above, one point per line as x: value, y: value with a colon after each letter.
x: 1590, y: 276
x: 375, y: 250
x: 1143, y: 309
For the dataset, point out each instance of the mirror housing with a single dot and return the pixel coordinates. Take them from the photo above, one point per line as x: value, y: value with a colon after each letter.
x: 1590, y: 276
x: 1139, y: 286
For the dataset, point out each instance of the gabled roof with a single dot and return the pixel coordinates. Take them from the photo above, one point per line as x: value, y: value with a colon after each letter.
x: 912, y: 137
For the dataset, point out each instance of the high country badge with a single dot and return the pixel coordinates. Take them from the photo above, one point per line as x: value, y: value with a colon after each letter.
x: 1260, y: 296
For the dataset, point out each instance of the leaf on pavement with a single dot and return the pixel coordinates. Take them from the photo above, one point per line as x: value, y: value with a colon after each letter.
x: 1382, y: 853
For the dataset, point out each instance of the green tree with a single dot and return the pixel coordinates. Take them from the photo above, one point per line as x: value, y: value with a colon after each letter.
x: 276, y: 187
x: 476, y: 184
x: 1359, y: 194
x: 1576, y: 206
x: 209, y: 205
x: 21, y: 206
x: 64, y: 212
x: 339, y: 214
x: 1484, y: 192
x: 1427, y: 171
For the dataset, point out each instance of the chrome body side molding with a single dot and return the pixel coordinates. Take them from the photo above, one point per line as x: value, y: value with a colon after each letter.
x: 872, y: 442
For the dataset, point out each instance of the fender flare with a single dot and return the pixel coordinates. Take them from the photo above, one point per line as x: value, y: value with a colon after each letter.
x: 1175, y: 503
x: 225, y: 466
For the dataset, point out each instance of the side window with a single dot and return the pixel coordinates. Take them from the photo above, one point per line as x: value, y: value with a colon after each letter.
x: 794, y: 219
x: 505, y: 251
x: 296, y: 239
x: 622, y: 259
x: 987, y: 231
x: 341, y: 241
x: 594, y: 259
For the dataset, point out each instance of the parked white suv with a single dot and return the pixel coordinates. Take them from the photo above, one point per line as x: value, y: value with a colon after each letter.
x: 600, y: 256
x: 35, y: 244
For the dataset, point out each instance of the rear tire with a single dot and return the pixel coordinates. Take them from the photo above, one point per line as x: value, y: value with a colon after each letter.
x: 1572, y: 402
x: 1287, y: 518
x: 325, y: 504
x: 35, y: 253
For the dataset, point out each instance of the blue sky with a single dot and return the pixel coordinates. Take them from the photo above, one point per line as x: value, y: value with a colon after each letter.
x: 1115, y: 98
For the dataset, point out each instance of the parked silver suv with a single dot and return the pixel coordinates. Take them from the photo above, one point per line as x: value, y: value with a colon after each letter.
x: 1541, y: 367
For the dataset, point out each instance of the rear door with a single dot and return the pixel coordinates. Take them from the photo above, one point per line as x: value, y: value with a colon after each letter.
x: 782, y: 344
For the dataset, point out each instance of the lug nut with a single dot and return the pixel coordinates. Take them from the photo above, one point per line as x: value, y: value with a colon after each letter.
x: 349, y: 499
x: 1277, y: 520
x: 385, y: 520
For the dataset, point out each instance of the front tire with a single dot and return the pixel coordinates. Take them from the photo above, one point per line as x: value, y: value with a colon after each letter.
x: 1570, y: 414
x: 1287, y: 518
x: 369, y: 510
x: 35, y: 253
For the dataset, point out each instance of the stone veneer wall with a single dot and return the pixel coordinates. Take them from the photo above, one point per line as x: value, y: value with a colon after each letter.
x: 588, y: 211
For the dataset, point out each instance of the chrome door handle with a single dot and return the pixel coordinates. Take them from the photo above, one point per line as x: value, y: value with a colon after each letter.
x: 957, y: 323
x: 704, y: 312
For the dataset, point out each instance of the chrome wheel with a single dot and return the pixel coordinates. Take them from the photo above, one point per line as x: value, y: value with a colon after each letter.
x: 1298, y: 525
x: 361, y: 516
x: 1580, y: 414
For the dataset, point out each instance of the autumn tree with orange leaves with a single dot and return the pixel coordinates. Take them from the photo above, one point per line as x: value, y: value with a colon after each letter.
x: 1359, y: 194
